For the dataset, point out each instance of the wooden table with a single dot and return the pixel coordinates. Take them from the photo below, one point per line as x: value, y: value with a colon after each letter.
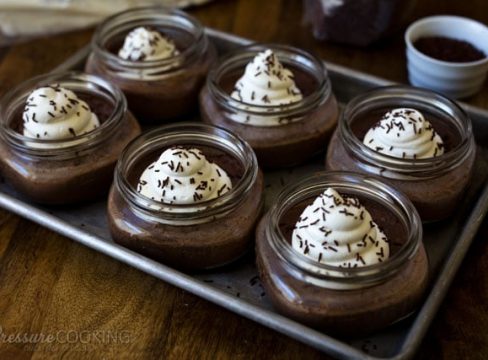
x: 104, y: 309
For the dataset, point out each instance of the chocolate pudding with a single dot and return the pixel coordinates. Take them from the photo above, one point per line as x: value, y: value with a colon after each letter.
x: 79, y: 172
x: 299, y: 133
x: 156, y: 89
x: 222, y: 233
x: 418, y: 141
x: 436, y: 197
x: 346, y: 312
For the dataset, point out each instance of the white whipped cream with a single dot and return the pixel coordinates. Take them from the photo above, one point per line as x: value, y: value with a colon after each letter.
x: 404, y: 133
x: 143, y: 44
x: 183, y: 176
x: 339, y: 231
x: 265, y: 83
x: 56, y: 113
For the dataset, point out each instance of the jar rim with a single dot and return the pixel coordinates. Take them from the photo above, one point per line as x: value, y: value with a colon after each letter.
x: 422, y: 97
x: 16, y: 97
x: 186, y: 132
x: 242, y: 55
x: 147, y: 13
x: 347, y: 182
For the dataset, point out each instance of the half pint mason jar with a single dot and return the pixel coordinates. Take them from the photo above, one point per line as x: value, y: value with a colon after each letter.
x: 276, y: 97
x: 187, y: 195
x: 61, y: 135
x: 157, y: 88
x: 349, y: 277
x: 425, y: 122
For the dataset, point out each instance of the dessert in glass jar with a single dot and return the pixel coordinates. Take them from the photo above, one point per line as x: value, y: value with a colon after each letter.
x: 417, y: 140
x: 61, y: 135
x: 342, y: 252
x: 159, y: 57
x: 187, y: 195
x: 278, y: 98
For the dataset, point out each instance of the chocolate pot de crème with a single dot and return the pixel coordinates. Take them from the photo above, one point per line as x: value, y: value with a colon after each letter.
x: 158, y: 57
x: 186, y: 195
x: 342, y: 253
x: 61, y: 136
x: 277, y: 98
x: 416, y: 140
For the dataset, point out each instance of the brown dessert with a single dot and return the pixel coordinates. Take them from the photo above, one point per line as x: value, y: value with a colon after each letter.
x: 435, y: 185
x: 189, y: 239
x: 342, y: 312
x: 156, y: 90
x: 302, y: 130
x: 80, y: 172
x: 434, y: 199
x: 447, y: 49
x: 345, y: 303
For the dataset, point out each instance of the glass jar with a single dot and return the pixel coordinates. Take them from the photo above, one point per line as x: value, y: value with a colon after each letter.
x: 69, y: 170
x: 156, y: 90
x: 191, y: 236
x: 356, y: 22
x: 434, y: 185
x: 306, y: 125
x: 342, y: 300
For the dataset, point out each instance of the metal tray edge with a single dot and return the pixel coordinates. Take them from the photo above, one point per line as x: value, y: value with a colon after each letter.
x: 444, y: 279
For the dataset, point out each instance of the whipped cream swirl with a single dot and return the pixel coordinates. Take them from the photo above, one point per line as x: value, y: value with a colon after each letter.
x: 265, y: 83
x: 338, y: 231
x: 55, y: 113
x: 183, y: 176
x: 404, y: 133
x: 143, y: 44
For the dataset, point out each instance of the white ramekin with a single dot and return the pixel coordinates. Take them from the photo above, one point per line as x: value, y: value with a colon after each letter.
x: 457, y: 80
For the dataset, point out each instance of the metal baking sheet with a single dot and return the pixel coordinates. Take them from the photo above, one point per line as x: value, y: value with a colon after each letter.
x: 237, y: 287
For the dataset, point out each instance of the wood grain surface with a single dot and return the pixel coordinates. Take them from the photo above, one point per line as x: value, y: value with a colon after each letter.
x: 52, y: 285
